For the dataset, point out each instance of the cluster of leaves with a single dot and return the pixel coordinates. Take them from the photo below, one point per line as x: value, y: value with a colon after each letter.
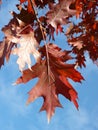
x: 85, y: 33
x: 26, y: 32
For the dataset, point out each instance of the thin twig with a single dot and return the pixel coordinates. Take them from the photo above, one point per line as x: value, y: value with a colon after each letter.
x: 43, y: 35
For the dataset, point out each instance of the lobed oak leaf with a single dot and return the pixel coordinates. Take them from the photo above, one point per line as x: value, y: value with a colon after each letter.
x: 58, y: 65
x: 60, y: 68
x: 53, y: 79
x: 46, y: 88
x: 28, y: 46
x: 59, y: 13
x: 49, y: 87
x: 16, y: 33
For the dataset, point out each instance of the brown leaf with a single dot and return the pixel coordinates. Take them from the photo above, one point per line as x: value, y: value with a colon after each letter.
x: 5, y: 50
x: 84, y: 36
x: 53, y: 79
x: 3, y: 47
x: 46, y: 88
x: 28, y: 75
x: 59, y: 13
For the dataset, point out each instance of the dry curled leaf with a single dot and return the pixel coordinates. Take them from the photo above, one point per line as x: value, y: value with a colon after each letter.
x: 28, y: 46
x: 59, y: 13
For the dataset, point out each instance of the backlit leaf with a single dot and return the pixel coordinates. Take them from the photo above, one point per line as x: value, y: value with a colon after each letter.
x: 28, y: 46
x: 59, y: 13
x: 53, y: 80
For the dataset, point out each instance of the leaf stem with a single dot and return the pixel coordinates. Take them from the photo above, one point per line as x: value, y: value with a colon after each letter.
x: 43, y: 35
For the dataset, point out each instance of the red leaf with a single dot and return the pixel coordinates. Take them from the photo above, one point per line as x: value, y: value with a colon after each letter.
x: 30, y: 7
x: 67, y: 92
x: 22, y: 1
x: 46, y: 88
x: 84, y: 36
x: 53, y: 79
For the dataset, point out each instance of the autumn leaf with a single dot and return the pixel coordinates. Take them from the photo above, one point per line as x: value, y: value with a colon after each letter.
x: 45, y: 87
x: 26, y: 43
x: 48, y: 86
x: 28, y: 46
x: 59, y: 13
x: 53, y: 79
x: 83, y: 36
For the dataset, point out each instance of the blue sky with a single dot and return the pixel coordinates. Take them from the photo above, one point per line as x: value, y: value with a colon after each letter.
x: 15, y: 115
